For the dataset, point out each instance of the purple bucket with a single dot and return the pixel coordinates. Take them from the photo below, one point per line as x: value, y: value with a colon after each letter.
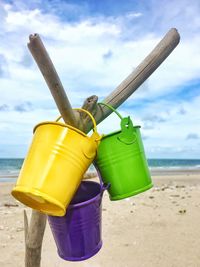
x: 78, y: 233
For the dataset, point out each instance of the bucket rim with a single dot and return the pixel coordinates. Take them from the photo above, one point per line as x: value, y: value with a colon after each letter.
x: 22, y: 190
x: 131, y: 193
x: 84, y: 203
x: 60, y: 124
x: 82, y: 258
x: 118, y: 131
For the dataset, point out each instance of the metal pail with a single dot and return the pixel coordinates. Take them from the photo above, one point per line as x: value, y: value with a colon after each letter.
x: 78, y: 233
x: 121, y: 161
x: 54, y: 166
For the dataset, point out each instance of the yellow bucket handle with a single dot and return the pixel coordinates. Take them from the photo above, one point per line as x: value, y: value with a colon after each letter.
x: 88, y: 113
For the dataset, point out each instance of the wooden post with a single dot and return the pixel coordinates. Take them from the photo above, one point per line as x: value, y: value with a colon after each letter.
x: 138, y: 76
x: 33, y: 238
x: 116, y: 98
x: 50, y: 75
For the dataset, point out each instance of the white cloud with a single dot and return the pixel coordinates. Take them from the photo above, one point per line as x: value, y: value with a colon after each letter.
x: 133, y: 15
x: 78, y: 51
x: 167, y: 138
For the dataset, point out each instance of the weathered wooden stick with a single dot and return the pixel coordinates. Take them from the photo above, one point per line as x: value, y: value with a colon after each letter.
x: 145, y: 69
x: 35, y: 232
x: 33, y: 238
x: 50, y: 75
x: 139, y: 75
x: 38, y: 220
x: 117, y: 97
x: 90, y: 104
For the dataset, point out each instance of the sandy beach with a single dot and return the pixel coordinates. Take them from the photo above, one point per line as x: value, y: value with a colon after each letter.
x: 157, y: 228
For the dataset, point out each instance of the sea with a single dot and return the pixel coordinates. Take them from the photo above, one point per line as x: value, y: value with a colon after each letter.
x: 9, y: 168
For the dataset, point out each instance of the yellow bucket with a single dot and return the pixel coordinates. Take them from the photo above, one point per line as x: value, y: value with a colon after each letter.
x: 54, y: 166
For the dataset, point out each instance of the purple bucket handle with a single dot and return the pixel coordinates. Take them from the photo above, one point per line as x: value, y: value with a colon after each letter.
x: 103, y: 185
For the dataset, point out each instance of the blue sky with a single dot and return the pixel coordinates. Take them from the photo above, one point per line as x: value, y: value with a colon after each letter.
x: 94, y: 46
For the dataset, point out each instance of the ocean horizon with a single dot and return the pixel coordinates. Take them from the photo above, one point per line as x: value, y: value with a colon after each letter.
x: 10, y: 167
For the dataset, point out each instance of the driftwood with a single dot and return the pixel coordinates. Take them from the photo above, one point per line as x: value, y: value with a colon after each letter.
x: 89, y: 175
x: 51, y: 77
x: 33, y: 238
x: 138, y: 76
x: 34, y: 233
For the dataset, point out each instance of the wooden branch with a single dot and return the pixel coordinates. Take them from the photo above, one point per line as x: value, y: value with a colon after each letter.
x: 145, y: 69
x: 38, y: 220
x: 35, y: 232
x: 139, y: 75
x: 50, y: 75
x: 116, y: 98
x: 33, y: 238
x: 89, y: 104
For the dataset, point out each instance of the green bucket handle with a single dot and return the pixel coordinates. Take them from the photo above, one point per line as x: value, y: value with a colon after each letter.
x: 127, y: 135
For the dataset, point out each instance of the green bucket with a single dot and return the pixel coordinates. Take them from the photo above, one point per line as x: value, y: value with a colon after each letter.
x: 121, y: 161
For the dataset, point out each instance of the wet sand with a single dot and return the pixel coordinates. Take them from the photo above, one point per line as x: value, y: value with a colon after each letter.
x: 159, y: 227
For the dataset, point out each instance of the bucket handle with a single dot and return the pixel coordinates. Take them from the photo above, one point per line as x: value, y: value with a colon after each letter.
x: 113, y: 109
x: 127, y: 136
x: 104, y: 186
x: 88, y: 113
